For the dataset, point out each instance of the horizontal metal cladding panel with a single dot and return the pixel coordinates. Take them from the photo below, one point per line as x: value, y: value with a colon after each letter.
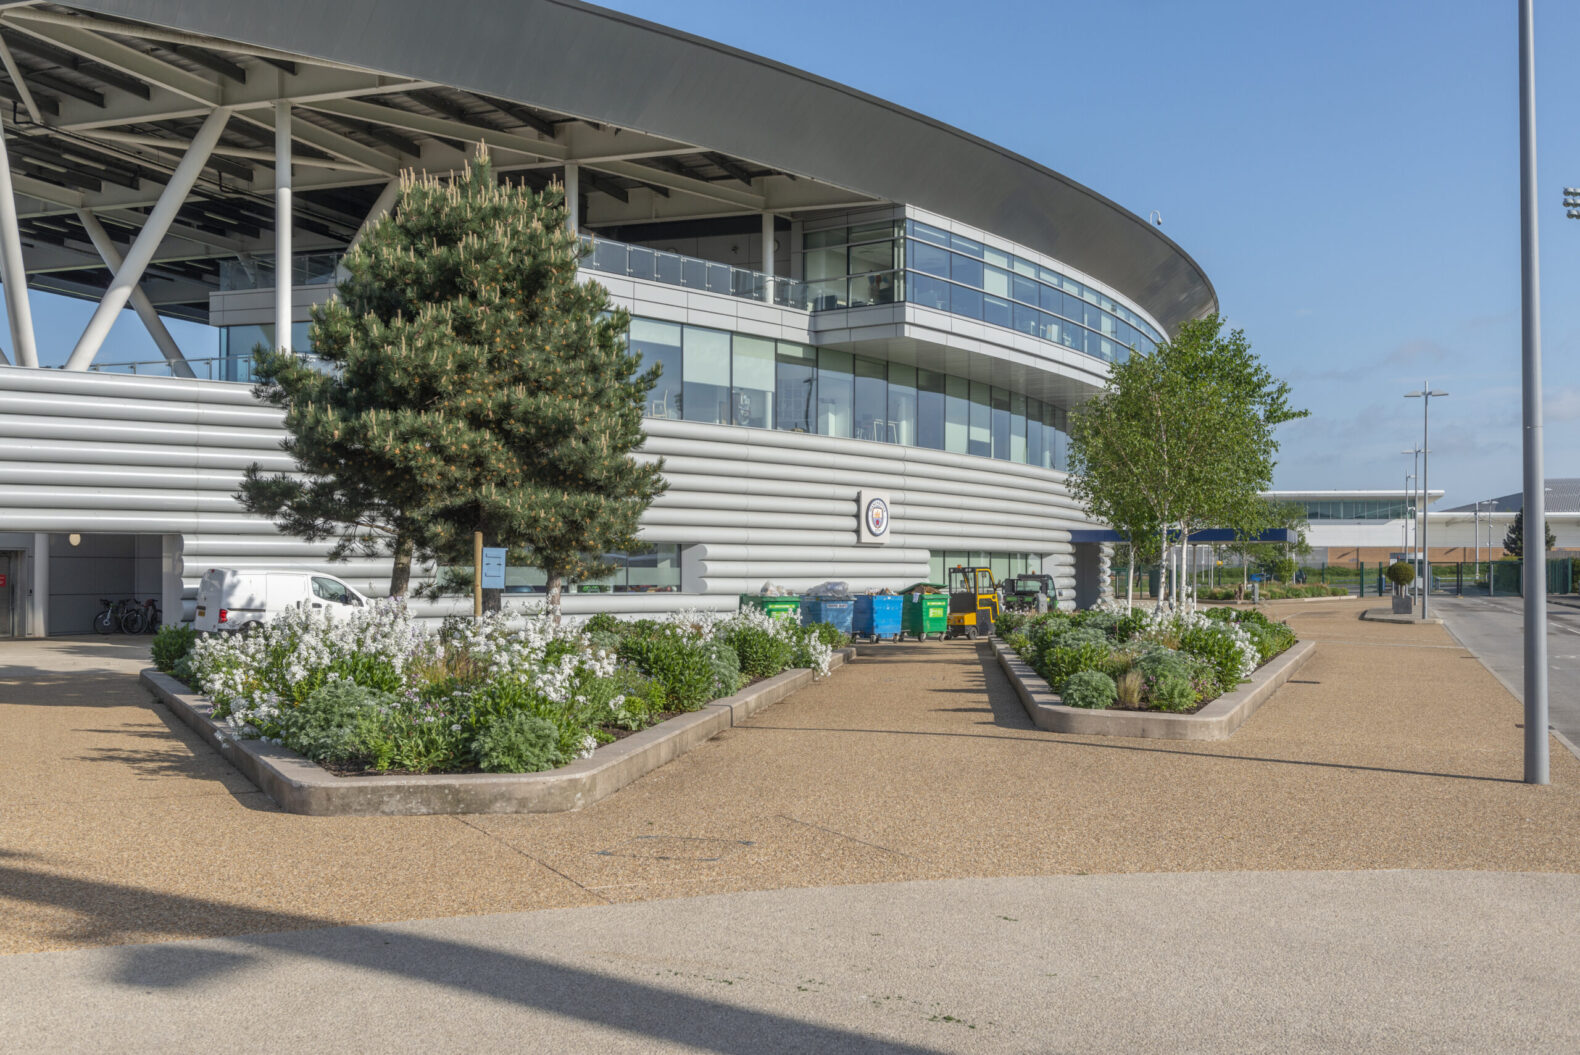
x: 715, y: 571
x: 675, y: 498
x: 28, y: 496
x: 826, y: 554
x: 118, y: 408
x: 31, y: 428
x: 666, y: 436
x: 771, y: 482
x: 185, y: 455
x: 770, y: 536
x: 40, y: 473
x: 961, y: 542
x: 282, y: 546
x: 92, y: 384
x: 978, y: 484
x: 798, y: 585
x: 707, y: 518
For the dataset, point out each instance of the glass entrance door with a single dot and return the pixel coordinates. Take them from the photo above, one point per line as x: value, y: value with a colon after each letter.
x: 10, y: 561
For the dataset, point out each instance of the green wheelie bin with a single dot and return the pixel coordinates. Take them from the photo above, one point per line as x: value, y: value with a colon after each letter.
x: 923, y: 614
x: 777, y: 607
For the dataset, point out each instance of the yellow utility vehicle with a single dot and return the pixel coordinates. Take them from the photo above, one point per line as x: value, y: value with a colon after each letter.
x: 974, y: 602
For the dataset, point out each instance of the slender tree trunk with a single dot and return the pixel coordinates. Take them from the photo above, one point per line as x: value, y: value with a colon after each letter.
x: 1188, y: 596
x: 556, y: 584
x: 400, y: 569
x: 1163, y: 565
x: 1130, y: 583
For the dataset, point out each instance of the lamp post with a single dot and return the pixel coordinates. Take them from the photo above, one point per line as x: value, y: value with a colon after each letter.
x: 1534, y: 504
x: 1409, y: 490
x: 1424, y: 538
x: 1415, y: 502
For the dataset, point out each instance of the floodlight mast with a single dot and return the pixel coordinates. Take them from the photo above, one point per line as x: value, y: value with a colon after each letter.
x: 1534, y: 504
x: 1425, y: 396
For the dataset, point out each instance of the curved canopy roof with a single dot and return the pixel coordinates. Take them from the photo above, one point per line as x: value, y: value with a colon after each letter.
x: 608, y: 68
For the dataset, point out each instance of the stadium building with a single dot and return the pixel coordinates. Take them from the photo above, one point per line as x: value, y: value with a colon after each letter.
x: 852, y: 302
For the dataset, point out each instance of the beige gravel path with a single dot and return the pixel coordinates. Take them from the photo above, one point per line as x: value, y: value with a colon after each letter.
x: 1393, y: 748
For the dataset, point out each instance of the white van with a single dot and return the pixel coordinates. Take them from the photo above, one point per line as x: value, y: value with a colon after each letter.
x: 229, y: 599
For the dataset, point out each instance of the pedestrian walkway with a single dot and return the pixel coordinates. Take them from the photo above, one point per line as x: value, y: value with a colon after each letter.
x: 1393, y: 748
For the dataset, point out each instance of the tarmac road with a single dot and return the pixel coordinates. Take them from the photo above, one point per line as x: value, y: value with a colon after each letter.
x: 1493, y: 628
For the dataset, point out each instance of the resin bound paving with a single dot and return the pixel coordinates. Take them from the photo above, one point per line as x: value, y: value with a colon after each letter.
x: 1393, y: 748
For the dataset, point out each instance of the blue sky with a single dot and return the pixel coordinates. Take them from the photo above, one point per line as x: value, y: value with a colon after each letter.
x: 1345, y: 172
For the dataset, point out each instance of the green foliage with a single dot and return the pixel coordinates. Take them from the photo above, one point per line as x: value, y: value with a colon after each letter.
x: 1400, y: 573
x: 475, y: 384
x: 1061, y: 661
x: 171, y: 643
x: 829, y: 634
x: 1218, y: 650
x: 1514, y: 538
x: 602, y: 622
x: 1170, y: 678
x: 762, y: 653
x: 679, y: 664
x: 1009, y: 622
x: 724, y: 664
x: 1044, y: 628
x: 518, y: 742
x: 1181, y: 437
x: 1088, y: 688
x: 338, y: 722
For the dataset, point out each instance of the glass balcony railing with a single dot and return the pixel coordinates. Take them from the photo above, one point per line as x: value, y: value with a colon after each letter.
x: 689, y: 272
x: 237, y: 368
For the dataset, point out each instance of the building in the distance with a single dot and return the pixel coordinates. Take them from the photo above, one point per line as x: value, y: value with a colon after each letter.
x: 1355, y: 527
x: 850, y: 300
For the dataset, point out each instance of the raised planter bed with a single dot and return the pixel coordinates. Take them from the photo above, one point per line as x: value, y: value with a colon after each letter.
x: 1216, y: 721
x: 300, y: 785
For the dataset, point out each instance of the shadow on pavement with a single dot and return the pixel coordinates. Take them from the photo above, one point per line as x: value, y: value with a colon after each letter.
x: 557, y: 989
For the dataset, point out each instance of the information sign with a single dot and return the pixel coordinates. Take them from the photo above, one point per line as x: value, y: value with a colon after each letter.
x: 493, y: 577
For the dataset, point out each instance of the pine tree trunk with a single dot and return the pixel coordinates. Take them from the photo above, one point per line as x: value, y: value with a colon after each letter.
x: 556, y: 583
x: 400, y: 570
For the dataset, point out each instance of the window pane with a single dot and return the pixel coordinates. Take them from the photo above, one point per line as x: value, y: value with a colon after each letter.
x: 707, y: 373
x: 1049, y: 326
x: 966, y: 270
x: 1000, y: 404
x: 928, y: 233
x: 835, y: 392
x: 872, y: 400
x: 928, y: 258
x: 876, y: 288
x: 902, y: 404
x: 996, y: 282
x: 1036, y: 453
x: 957, y: 415
x: 1023, y: 289
x: 981, y: 440
x: 996, y: 256
x: 930, y: 411
x: 935, y: 567
x: 795, y: 388
x: 824, y: 263
x: 656, y: 570
x: 929, y: 292
x: 1017, y: 428
x: 877, y: 256
x: 996, y: 310
x: 1027, y: 320
x: 998, y: 564
x: 659, y: 343
x: 830, y: 236
x: 966, y: 245
x: 1054, y: 434
x: 754, y: 381
x: 967, y: 302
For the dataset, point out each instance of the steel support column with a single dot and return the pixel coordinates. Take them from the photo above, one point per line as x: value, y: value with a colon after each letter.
x: 573, y: 191
x: 140, y: 302
x: 381, y: 207
x: 147, y: 242
x: 283, y: 273
x: 12, y: 272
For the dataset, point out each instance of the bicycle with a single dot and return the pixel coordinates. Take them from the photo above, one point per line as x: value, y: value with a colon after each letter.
x: 140, y: 617
x: 109, y: 620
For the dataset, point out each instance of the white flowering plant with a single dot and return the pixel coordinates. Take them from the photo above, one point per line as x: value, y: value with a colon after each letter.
x: 502, y: 693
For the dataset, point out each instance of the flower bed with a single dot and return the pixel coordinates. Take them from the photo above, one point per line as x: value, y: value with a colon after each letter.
x: 373, y: 691
x: 1118, y: 657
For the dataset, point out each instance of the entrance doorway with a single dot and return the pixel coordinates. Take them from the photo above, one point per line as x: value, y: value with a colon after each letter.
x: 10, y: 616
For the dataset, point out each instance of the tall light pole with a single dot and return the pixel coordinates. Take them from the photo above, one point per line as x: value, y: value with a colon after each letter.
x: 1409, y: 490
x: 1415, y: 502
x: 1425, y: 396
x: 1535, y: 502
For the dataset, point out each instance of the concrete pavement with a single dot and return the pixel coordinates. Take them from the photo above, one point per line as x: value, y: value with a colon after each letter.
x: 1206, y: 962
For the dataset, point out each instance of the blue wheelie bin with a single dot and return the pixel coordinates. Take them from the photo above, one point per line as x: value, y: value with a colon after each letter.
x: 838, y: 611
x: 877, y: 616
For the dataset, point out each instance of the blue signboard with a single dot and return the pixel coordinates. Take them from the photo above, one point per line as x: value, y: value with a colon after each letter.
x: 493, y: 577
x: 1256, y: 576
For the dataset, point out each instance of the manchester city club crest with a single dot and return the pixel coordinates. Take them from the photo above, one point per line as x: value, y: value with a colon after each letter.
x: 877, y: 517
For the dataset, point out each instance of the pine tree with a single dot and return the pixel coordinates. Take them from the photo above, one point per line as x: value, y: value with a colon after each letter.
x: 473, y: 384
x: 1514, y: 540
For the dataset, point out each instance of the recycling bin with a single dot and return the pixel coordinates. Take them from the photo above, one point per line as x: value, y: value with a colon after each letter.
x: 877, y: 616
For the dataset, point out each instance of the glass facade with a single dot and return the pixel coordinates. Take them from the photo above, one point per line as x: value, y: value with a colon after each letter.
x: 725, y: 378
x: 1359, y: 509
x: 655, y: 571
x: 257, y: 272
x: 238, y: 343
x: 895, y: 260
x: 1002, y: 565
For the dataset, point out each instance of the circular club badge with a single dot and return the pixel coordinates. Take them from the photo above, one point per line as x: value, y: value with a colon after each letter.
x: 877, y: 516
